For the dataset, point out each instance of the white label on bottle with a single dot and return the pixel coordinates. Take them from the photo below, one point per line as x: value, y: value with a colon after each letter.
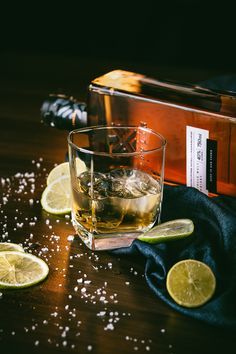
x: 196, y: 158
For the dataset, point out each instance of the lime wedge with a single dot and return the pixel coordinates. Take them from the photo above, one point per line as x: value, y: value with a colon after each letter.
x: 190, y: 283
x: 56, y: 197
x: 167, y: 231
x: 8, y: 246
x: 20, y: 270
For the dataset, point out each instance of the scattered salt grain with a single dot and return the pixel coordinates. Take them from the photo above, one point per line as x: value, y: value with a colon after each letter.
x: 70, y: 238
x: 101, y: 313
x: 89, y: 347
x: 109, y: 327
x: 31, y: 201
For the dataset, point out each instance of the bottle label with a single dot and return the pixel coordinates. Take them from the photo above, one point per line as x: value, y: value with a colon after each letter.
x: 211, y: 165
x: 196, y: 158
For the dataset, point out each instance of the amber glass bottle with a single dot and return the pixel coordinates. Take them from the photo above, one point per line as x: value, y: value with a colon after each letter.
x: 198, y: 124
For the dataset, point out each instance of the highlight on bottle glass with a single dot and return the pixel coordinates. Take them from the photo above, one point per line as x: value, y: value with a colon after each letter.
x: 117, y: 176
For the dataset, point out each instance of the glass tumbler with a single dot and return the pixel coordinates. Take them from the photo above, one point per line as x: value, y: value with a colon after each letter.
x: 117, y: 175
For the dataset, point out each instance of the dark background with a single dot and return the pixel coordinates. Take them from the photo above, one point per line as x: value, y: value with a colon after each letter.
x: 192, y: 33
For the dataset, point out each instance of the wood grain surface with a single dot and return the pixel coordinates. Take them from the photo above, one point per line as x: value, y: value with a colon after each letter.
x: 91, y: 301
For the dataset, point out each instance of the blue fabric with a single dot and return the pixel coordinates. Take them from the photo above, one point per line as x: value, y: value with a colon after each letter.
x: 213, y: 242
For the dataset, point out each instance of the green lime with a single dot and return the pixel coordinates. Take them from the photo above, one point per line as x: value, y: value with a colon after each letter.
x: 56, y: 198
x: 190, y: 283
x: 58, y: 171
x: 63, y: 169
x: 20, y: 270
x: 8, y: 246
x: 167, y: 231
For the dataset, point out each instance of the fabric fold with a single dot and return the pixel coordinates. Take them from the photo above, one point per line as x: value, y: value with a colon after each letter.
x: 213, y: 242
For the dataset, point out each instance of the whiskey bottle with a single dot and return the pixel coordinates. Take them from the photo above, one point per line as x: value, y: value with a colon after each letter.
x: 198, y: 124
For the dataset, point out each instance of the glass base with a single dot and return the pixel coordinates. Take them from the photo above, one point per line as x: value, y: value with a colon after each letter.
x: 104, y: 242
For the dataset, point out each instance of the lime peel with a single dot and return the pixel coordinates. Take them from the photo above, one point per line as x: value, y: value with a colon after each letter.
x: 21, y: 270
x: 168, y: 231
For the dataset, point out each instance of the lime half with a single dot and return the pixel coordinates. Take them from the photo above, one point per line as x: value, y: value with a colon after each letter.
x: 167, y: 231
x: 56, y: 198
x: 20, y: 270
x: 8, y: 246
x: 190, y: 283
x: 58, y: 171
x: 63, y: 169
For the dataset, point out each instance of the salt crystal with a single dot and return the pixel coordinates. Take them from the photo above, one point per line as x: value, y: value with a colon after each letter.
x: 83, y: 290
x: 109, y: 326
x: 70, y: 238
x: 89, y: 347
x: 36, y: 342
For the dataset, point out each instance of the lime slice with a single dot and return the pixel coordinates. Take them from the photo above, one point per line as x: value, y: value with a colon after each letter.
x: 8, y: 246
x: 64, y: 170
x: 20, y: 270
x: 56, y: 197
x: 58, y: 171
x: 190, y: 283
x: 167, y: 231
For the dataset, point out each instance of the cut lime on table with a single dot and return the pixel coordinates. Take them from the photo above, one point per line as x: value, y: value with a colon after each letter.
x: 8, y: 246
x: 167, y: 231
x: 63, y: 169
x: 190, y: 283
x: 58, y: 171
x: 56, y: 198
x: 20, y: 270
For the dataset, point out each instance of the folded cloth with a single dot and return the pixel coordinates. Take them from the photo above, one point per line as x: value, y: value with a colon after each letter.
x: 213, y: 242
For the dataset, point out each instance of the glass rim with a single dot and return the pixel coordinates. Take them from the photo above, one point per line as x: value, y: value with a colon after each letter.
x: 115, y: 154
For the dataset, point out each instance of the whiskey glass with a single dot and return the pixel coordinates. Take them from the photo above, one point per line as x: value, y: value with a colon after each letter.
x: 117, y: 175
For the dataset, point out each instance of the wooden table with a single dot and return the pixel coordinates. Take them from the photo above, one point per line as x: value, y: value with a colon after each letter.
x: 92, y: 301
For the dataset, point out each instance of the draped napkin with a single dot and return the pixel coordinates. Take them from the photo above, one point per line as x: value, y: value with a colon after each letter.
x: 213, y: 242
